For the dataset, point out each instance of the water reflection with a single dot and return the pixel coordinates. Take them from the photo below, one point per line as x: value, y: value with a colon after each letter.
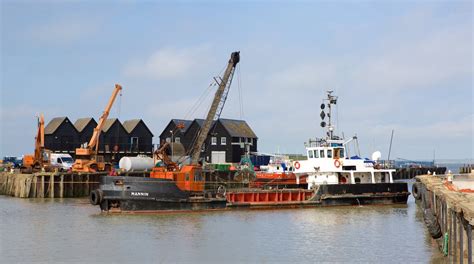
x: 68, y: 230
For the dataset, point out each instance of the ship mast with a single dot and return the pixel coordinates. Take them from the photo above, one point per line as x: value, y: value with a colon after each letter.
x: 331, y: 100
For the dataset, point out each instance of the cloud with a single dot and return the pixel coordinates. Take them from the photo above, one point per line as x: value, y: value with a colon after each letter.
x: 169, y: 63
x: 418, y: 63
x: 304, y: 76
x: 400, y: 80
x: 64, y: 30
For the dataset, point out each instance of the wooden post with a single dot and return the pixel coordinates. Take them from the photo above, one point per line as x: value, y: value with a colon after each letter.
x: 42, y: 194
x: 87, y: 187
x: 461, y: 242
x: 451, y: 225
x: 35, y: 183
x: 71, y: 185
x: 455, y: 238
x: 469, y: 243
x: 61, y: 186
x: 51, y: 185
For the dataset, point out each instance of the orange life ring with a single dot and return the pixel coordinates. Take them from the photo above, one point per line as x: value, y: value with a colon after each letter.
x: 337, y: 163
x: 297, y: 165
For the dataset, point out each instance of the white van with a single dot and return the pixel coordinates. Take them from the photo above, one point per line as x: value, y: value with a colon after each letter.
x: 61, y: 161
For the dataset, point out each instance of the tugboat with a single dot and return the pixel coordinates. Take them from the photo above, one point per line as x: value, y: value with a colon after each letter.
x: 329, y: 173
x: 170, y: 187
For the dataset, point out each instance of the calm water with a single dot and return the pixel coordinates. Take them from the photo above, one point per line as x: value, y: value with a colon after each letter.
x: 71, y: 230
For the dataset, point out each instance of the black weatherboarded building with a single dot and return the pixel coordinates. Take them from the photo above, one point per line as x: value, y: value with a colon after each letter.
x: 140, y: 136
x: 85, y: 127
x: 131, y: 138
x: 60, y: 135
x: 227, y: 141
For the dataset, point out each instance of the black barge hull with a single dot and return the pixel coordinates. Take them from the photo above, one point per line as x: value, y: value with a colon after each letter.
x: 139, y: 194
x: 363, y: 194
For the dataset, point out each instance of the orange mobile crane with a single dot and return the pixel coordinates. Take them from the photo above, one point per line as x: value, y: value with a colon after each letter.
x: 41, y: 158
x: 87, y: 159
x: 189, y: 177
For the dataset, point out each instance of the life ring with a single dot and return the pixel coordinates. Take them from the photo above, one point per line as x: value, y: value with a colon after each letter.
x: 337, y: 163
x: 297, y: 165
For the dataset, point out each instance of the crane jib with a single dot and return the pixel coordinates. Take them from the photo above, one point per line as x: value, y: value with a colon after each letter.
x: 216, y: 106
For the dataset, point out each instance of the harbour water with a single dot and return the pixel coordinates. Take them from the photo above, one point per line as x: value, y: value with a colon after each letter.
x: 71, y: 230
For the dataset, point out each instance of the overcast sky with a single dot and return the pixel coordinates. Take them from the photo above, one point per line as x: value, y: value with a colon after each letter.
x: 402, y: 65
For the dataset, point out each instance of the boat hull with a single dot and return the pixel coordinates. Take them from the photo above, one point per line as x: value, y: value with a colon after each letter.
x: 139, y: 194
x: 322, y: 195
x: 363, y: 194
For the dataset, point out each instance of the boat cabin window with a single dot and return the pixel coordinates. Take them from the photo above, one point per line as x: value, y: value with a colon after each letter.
x: 310, y: 154
x: 316, y: 153
x: 321, y: 153
x: 338, y: 153
x: 197, y: 175
x: 329, y: 153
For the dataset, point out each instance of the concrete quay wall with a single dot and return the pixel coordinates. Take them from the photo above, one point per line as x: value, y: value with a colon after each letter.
x: 453, y: 210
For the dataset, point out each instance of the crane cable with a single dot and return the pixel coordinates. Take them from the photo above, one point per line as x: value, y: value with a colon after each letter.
x: 239, y: 87
x: 198, y: 104
x: 202, y: 98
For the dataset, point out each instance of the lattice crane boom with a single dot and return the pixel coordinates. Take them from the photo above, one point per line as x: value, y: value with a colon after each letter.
x: 217, y: 105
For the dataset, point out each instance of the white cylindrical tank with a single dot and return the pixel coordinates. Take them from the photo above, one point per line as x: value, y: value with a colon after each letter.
x: 136, y: 163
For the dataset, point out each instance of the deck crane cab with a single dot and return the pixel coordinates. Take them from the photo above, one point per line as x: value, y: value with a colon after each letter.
x: 87, y: 158
x: 190, y: 177
x: 41, y: 158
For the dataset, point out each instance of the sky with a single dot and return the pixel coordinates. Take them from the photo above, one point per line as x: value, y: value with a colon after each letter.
x: 405, y: 66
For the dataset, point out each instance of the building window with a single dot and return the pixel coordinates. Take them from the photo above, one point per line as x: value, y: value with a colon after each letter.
x: 223, y: 141
x: 177, y: 139
x: 168, y: 140
x: 213, y: 140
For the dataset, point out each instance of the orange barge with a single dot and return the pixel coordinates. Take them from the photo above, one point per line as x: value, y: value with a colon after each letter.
x: 265, y: 198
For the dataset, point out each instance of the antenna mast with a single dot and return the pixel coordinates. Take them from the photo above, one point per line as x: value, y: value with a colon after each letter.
x: 332, y: 100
